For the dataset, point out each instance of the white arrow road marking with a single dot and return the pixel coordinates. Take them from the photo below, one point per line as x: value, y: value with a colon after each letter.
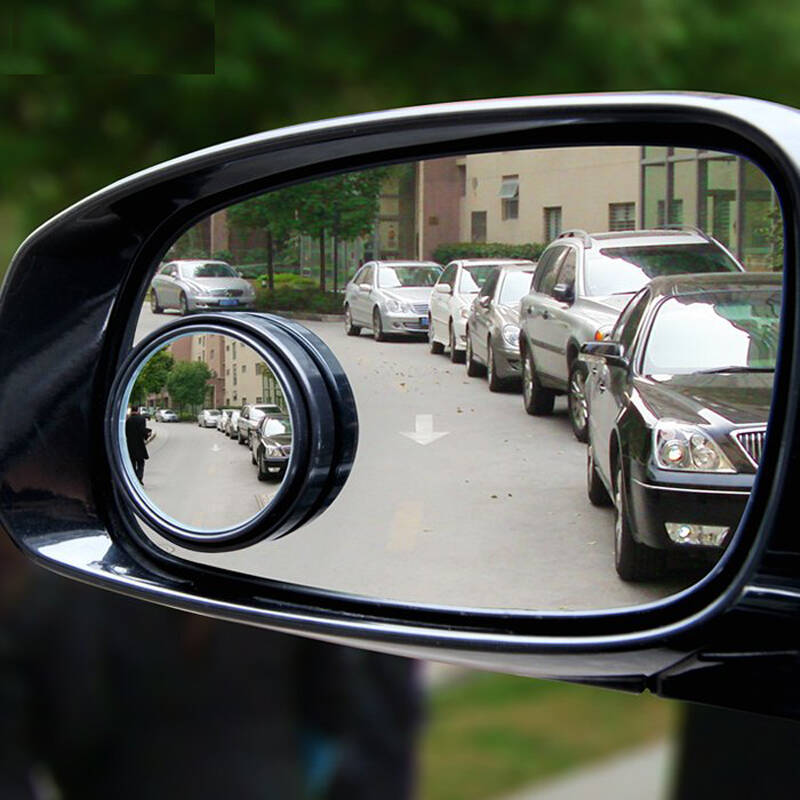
x: 424, y: 430
x: 216, y: 448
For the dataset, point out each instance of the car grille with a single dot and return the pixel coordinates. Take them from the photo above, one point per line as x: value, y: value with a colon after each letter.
x: 752, y: 442
x: 420, y: 308
x: 225, y: 293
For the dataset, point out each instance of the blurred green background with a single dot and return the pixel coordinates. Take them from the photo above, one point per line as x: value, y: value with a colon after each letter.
x: 121, y: 86
x: 93, y: 119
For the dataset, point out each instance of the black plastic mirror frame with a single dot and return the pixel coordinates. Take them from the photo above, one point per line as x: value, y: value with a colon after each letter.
x: 130, y: 224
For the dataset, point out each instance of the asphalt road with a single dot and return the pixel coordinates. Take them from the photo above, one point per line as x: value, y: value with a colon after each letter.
x: 457, y: 497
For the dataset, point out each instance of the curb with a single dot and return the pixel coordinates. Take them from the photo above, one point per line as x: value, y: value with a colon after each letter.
x: 307, y: 316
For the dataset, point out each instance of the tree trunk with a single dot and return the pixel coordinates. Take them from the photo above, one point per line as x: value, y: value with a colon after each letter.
x: 335, y: 263
x: 322, y: 277
x: 270, y: 261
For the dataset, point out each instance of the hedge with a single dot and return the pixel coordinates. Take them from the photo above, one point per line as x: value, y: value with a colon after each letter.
x: 446, y: 253
x: 287, y: 298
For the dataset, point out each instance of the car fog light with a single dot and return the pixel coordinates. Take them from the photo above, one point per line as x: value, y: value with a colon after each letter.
x: 690, y: 533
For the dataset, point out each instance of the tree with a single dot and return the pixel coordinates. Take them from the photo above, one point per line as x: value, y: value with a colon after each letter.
x: 274, y: 213
x: 187, y: 383
x: 343, y: 207
x: 153, y: 377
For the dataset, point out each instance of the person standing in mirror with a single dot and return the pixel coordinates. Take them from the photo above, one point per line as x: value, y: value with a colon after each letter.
x: 136, y: 435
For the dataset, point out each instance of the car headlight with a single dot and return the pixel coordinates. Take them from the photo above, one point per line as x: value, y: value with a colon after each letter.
x: 511, y: 335
x: 273, y: 451
x: 682, y: 446
x: 395, y: 305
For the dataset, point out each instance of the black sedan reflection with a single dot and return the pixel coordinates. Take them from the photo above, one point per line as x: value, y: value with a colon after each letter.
x: 679, y: 398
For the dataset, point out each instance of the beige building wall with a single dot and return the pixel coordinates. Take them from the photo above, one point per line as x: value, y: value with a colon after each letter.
x: 243, y: 380
x: 582, y: 181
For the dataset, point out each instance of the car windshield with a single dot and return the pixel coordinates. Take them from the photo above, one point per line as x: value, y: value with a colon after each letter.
x: 623, y: 270
x: 473, y: 278
x: 213, y: 412
x: 515, y: 286
x: 210, y: 269
x: 739, y: 331
x: 277, y: 426
x: 399, y: 277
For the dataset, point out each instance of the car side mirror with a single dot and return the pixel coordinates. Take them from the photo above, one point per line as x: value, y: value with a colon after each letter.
x: 443, y: 288
x: 484, y: 301
x: 474, y: 582
x: 611, y: 352
x: 365, y: 287
x: 564, y: 292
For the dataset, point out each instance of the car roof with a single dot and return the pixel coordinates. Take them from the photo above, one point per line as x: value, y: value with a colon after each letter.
x: 636, y: 238
x: 401, y: 263
x: 712, y: 282
x: 491, y: 262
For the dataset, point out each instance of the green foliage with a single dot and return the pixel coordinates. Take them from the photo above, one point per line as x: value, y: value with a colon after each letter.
x: 223, y: 255
x: 288, y: 280
x: 186, y: 383
x: 153, y: 377
x: 445, y: 253
x: 298, y: 297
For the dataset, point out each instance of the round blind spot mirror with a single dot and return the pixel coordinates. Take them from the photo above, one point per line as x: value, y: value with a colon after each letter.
x: 208, y: 431
x: 227, y: 429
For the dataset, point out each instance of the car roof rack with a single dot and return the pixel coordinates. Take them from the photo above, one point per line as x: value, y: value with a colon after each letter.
x: 684, y: 228
x: 576, y: 233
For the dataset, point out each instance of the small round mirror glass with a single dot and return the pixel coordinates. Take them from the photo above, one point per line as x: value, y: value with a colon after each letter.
x: 207, y: 434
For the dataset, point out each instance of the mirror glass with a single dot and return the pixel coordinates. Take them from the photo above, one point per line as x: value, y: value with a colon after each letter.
x: 562, y: 358
x: 207, y: 431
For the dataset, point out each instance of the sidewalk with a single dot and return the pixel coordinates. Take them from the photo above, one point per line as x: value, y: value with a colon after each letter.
x: 640, y: 774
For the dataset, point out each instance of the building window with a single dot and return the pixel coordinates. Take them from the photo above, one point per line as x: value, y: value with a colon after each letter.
x: 259, y: 399
x: 621, y: 216
x: 478, y: 226
x: 552, y: 223
x: 244, y: 368
x: 259, y: 367
x: 462, y: 180
x: 509, y: 197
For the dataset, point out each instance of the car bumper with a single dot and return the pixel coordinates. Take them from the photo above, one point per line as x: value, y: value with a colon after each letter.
x: 411, y: 324
x: 654, y: 505
x: 507, y: 363
x: 220, y: 304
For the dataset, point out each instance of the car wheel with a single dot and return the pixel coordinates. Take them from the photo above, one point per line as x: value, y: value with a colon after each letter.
x: 239, y: 437
x: 598, y: 496
x: 262, y: 472
x: 437, y: 348
x: 184, y: 306
x: 456, y: 355
x: 634, y: 561
x: 474, y: 369
x: 577, y: 402
x: 349, y: 328
x: 496, y: 384
x: 155, y: 306
x: 537, y: 400
x: 377, y: 327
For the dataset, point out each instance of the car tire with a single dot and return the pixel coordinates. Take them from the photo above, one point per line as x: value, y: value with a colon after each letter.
x: 496, y: 384
x: 633, y: 561
x: 598, y: 495
x: 155, y: 306
x: 437, y: 348
x: 474, y: 369
x: 262, y: 472
x: 349, y: 328
x: 537, y: 400
x: 456, y: 355
x: 239, y: 439
x: 377, y: 326
x: 183, y: 305
x: 576, y: 401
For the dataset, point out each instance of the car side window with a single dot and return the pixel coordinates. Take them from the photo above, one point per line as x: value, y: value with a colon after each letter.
x: 366, y: 276
x: 625, y: 330
x: 491, y: 282
x: 356, y: 279
x: 566, y: 274
x: 449, y: 275
x: 545, y: 276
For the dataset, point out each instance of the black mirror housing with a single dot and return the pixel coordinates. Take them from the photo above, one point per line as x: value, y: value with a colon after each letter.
x: 611, y: 352
x: 61, y: 504
x: 564, y: 293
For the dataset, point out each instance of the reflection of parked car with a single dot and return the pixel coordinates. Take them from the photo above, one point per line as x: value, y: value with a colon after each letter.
x: 582, y: 283
x: 390, y: 297
x: 199, y: 286
x: 222, y: 421
x: 272, y: 445
x: 452, y: 298
x: 675, y: 430
x: 492, y: 338
x: 249, y: 416
x: 232, y: 424
x: 208, y: 418
x: 166, y: 415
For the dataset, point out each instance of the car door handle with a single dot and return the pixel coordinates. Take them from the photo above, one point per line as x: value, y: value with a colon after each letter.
x: 545, y: 314
x: 601, y: 385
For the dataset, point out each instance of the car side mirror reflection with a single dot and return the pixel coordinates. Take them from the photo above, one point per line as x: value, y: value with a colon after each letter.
x: 564, y: 292
x: 611, y: 352
x: 443, y: 288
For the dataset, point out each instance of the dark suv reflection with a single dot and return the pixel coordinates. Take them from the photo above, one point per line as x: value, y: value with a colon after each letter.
x: 679, y: 397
